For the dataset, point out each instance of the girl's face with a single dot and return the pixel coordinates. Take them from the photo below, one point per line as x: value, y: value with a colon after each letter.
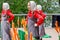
x: 36, y: 9
x: 29, y: 6
x: 4, y: 7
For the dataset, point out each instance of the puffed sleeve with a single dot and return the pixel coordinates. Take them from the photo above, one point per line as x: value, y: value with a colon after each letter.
x: 11, y: 15
x: 39, y: 18
x: 42, y: 14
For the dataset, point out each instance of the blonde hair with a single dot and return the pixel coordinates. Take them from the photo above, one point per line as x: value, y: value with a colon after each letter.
x: 39, y: 7
x: 32, y: 5
x: 5, y: 6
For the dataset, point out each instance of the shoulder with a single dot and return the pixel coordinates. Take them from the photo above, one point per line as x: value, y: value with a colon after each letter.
x: 35, y: 12
x: 8, y: 11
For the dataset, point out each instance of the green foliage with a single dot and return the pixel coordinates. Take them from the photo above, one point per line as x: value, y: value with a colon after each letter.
x: 17, y: 6
x: 20, y: 6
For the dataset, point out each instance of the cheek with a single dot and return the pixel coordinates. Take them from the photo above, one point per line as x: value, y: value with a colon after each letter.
x: 2, y: 7
x: 28, y: 7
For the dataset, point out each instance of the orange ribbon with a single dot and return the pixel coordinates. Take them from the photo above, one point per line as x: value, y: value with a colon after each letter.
x: 31, y: 38
x: 23, y: 22
x: 14, y: 34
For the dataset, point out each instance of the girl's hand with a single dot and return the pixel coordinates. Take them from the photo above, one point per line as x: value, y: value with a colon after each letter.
x: 7, y: 22
x: 35, y: 25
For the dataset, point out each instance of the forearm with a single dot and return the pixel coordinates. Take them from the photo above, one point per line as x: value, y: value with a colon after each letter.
x: 11, y: 18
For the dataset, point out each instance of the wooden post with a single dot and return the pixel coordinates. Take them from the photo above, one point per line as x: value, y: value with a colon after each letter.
x: 26, y: 36
x: 18, y: 22
x: 31, y: 38
x: 14, y: 32
x: 12, y: 24
x: 23, y: 22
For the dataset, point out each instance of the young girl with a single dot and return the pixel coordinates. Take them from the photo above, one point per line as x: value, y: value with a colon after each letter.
x: 5, y: 21
x: 41, y: 27
x: 32, y: 18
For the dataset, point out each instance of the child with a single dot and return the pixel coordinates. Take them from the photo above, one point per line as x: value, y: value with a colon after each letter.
x: 41, y: 27
x: 5, y: 21
x: 32, y: 18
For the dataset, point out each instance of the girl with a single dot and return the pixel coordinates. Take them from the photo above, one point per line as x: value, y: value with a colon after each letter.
x: 41, y: 27
x: 32, y: 20
x: 5, y: 21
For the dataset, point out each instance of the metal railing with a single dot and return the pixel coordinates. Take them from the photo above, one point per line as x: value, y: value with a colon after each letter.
x: 49, y: 14
x: 48, y: 19
x: 47, y: 22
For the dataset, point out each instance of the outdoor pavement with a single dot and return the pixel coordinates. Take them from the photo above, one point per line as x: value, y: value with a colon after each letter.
x: 52, y: 32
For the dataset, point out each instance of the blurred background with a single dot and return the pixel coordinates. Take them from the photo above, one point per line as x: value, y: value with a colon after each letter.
x: 50, y: 7
x: 20, y: 6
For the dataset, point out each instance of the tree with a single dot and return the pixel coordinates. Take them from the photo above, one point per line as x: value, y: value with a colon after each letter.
x: 20, y: 6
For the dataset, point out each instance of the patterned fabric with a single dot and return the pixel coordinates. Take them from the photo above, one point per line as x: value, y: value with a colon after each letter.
x: 5, y: 28
x: 32, y: 28
x: 41, y: 30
